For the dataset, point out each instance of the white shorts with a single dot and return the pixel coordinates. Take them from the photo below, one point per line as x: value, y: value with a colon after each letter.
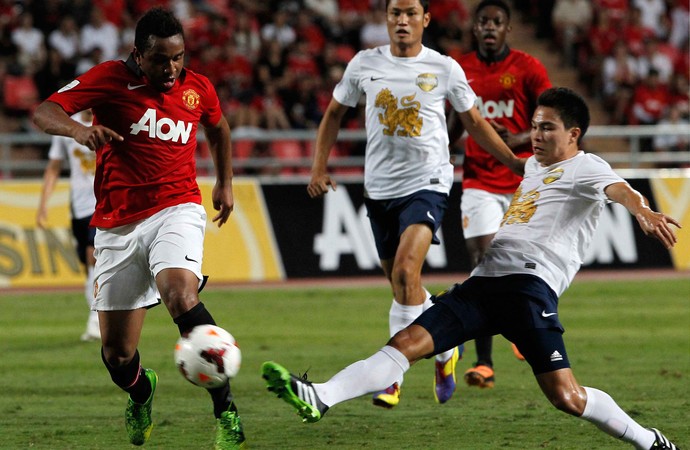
x: 129, y: 257
x: 482, y: 212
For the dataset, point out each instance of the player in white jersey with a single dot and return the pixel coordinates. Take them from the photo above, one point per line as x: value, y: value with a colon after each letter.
x: 407, y: 172
x: 514, y: 290
x: 82, y: 166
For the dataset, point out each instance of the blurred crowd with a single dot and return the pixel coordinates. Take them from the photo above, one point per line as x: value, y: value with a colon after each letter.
x: 632, y: 55
x: 274, y: 62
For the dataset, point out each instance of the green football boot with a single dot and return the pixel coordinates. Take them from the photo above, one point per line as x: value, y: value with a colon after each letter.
x: 229, y: 432
x: 138, y: 416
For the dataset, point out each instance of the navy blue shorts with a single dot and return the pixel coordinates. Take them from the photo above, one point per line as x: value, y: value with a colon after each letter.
x: 522, y: 308
x: 390, y: 218
x: 84, y: 234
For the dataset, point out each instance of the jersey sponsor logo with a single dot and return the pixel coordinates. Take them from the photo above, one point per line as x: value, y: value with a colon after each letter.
x: 507, y: 80
x: 164, y: 128
x: 403, y: 121
x: 191, y: 98
x: 522, y: 207
x: 68, y: 86
x: 373, y: 78
x: 491, y: 109
x: 427, y: 81
x: 544, y: 314
x: 553, y: 175
x: 132, y: 87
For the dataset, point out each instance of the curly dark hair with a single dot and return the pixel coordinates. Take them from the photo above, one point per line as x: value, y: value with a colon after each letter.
x: 158, y: 22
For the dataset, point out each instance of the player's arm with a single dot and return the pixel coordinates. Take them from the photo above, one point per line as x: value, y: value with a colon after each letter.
x: 51, y: 118
x: 220, y: 147
x: 50, y: 177
x: 325, y: 140
x: 490, y: 141
x: 654, y: 224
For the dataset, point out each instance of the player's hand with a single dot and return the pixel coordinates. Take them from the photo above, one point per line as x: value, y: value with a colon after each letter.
x: 319, y: 184
x: 509, y: 138
x: 96, y: 136
x: 223, y: 202
x: 658, y: 225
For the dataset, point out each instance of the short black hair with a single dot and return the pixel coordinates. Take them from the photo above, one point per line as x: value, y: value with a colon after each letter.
x: 157, y: 22
x: 570, y: 106
x: 424, y: 3
x: 497, y: 3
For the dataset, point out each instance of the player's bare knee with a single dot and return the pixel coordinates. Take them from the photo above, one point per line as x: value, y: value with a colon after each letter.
x: 569, y: 401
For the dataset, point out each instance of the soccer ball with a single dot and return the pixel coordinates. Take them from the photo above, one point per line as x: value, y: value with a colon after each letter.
x: 208, y: 356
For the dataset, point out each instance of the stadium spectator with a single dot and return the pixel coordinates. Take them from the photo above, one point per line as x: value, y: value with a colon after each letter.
x: 618, y: 79
x: 680, y: 94
x: 65, y: 39
x: 408, y: 174
x: 507, y: 102
x: 652, y: 13
x: 374, y: 31
x: 514, y: 290
x: 247, y: 36
x: 672, y: 143
x: 82, y: 164
x: 654, y: 57
x: 310, y: 32
x: 327, y: 10
x: 146, y: 191
x: 100, y: 34
x: 571, y: 22
x: 634, y: 33
x: 680, y: 23
x: 29, y: 41
x: 617, y: 10
x: 271, y: 109
x: 279, y: 29
x: 650, y: 101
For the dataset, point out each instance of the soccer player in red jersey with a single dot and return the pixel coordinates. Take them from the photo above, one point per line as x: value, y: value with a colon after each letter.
x: 507, y: 83
x: 149, y: 218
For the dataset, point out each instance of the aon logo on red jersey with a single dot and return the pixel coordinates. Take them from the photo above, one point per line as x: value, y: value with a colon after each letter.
x: 495, y: 110
x: 164, y: 129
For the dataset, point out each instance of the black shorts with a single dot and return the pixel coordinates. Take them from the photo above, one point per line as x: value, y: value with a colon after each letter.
x: 522, y: 308
x: 84, y: 234
x: 390, y: 218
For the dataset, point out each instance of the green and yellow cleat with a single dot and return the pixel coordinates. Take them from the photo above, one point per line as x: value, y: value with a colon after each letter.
x: 138, y: 416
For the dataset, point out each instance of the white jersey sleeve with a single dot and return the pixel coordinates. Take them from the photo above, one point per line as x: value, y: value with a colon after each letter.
x: 551, y: 221
x: 407, y: 137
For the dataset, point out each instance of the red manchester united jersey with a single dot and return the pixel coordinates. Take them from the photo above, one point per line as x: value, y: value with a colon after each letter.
x: 154, y: 167
x: 507, y: 92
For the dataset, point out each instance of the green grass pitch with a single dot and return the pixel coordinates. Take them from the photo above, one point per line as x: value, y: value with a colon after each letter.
x: 630, y: 339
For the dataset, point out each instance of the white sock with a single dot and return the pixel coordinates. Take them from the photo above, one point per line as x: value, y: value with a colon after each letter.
x: 603, y: 412
x: 400, y: 316
x: 373, y: 374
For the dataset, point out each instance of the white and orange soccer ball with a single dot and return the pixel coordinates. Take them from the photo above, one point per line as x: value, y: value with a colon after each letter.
x: 208, y: 356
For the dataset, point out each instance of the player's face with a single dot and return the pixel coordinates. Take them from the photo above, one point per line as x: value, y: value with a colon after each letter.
x: 406, y: 21
x: 163, y: 61
x: 551, y: 141
x: 491, y: 26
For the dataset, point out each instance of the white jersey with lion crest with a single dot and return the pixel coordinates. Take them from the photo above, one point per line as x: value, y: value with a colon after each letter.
x: 551, y: 220
x: 407, y: 137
